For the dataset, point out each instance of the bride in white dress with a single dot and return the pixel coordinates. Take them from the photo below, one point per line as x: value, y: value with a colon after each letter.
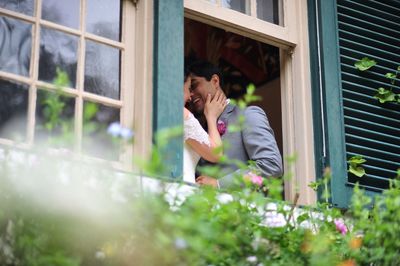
x: 199, y: 143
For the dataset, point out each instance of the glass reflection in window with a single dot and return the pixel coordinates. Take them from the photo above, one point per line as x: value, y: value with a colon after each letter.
x: 61, y: 12
x: 57, y: 50
x: 21, y: 6
x: 15, y: 46
x: 13, y: 110
x: 269, y: 10
x: 96, y: 141
x: 102, y: 70
x: 103, y: 18
x: 238, y: 5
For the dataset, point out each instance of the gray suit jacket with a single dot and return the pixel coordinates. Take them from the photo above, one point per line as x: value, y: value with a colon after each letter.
x: 255, y: 142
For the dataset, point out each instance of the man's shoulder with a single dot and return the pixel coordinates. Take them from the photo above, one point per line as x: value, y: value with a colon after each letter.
x: 254, y: 111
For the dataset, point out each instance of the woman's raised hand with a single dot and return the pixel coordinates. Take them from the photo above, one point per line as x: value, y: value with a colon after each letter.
x: 215, y: 106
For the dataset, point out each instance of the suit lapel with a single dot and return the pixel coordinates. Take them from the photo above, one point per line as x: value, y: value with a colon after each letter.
x: 225, y: 114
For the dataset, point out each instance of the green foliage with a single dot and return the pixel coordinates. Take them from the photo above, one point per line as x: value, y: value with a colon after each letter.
x: 378, y: 226
x: 385, y: 95
x: 364, y: 64
x: 67, y: 213
x: 355, y: 165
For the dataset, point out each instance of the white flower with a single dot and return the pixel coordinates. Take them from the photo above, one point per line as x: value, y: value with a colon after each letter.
x: 100, y: 255
x: 251, y: 259
x: 180, y: 243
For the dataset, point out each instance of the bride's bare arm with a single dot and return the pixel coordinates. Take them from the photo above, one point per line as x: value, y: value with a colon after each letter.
x: 213, y: 109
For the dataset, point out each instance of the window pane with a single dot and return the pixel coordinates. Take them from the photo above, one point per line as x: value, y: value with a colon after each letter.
x: 103, y: 18
x: 268, y: 10
x: 54, y: 119
x: 15, y: 46
x: 62, y: 12
x: 22, y: 6
x: 13, y: 110
x: 96, y: 141
x: 238, y: 5
x: 102, y: 70
x: 57, y: 49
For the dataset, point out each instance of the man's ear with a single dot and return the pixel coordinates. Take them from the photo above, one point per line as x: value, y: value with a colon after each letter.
x: 215, y: 81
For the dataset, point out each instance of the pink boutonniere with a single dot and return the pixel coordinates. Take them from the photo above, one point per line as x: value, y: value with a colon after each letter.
x: 221, y: 126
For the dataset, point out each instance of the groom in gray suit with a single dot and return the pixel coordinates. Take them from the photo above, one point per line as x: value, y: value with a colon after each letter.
x: 256, y: 142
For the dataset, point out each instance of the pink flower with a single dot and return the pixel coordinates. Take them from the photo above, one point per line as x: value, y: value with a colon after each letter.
x: 340, y: 226
x: 255, y: 179
x: 221, y: 126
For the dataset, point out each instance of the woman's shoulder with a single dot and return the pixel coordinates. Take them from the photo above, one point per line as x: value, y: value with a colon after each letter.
x: 186, y: 113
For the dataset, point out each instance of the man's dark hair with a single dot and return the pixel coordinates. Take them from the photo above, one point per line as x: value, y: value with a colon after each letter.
x: 205, y: 69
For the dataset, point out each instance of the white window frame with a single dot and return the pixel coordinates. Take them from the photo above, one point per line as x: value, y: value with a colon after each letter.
x: 135, y: 102
x: 292, y: 38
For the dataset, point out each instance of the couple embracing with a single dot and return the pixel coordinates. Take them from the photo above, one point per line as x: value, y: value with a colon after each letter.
x: 255, y: 142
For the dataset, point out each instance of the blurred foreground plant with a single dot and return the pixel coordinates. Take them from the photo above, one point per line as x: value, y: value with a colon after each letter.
x: 65, y: 212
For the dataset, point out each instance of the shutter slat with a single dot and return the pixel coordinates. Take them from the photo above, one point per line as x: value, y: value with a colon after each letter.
x: 370, y: 41
x: 352, y: 27
x: 382, y: 21
x: 348, y: 59
x: 372, y: 143
x: 357, y: 149
x: 376, y: 162
x: 370, y: 50
x: 344, y: 18
x: 355, y: 96
x: 386, y: 62
x: 378, y: 4
x: 369, y: 114
x: 376, y: 135
x: 367, y: 8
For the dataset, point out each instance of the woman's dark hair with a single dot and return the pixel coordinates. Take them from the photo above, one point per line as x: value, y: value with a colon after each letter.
x: 185, y: 74
x: 205, y: 69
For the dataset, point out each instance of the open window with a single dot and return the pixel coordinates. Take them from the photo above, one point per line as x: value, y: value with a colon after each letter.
x: 234, y: 34
x: 243, y: 61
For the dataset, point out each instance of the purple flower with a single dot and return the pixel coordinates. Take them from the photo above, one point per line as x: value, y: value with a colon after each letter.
x: 340, y: 226
x: 221, y: 126
x: 114, y: 129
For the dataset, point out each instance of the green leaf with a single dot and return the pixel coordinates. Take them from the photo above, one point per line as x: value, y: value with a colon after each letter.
x: 303, y: 217
x: 385, y: 95
x: 90, y: 111
x: 251, y: 88
x: 364, y: 64
x: 357, y: 159
x: 314, y: 185
x: 356, y: 170
x: 398, y: 68
x: 61, y: 79
x: 390, y: 75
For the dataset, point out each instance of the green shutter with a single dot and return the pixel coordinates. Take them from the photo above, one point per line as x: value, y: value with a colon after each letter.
x: 352, y: 122
x: 168, y: 78
x: 370, y: 28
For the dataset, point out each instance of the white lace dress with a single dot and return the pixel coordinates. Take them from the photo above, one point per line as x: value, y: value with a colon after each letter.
x: 192, y: 130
